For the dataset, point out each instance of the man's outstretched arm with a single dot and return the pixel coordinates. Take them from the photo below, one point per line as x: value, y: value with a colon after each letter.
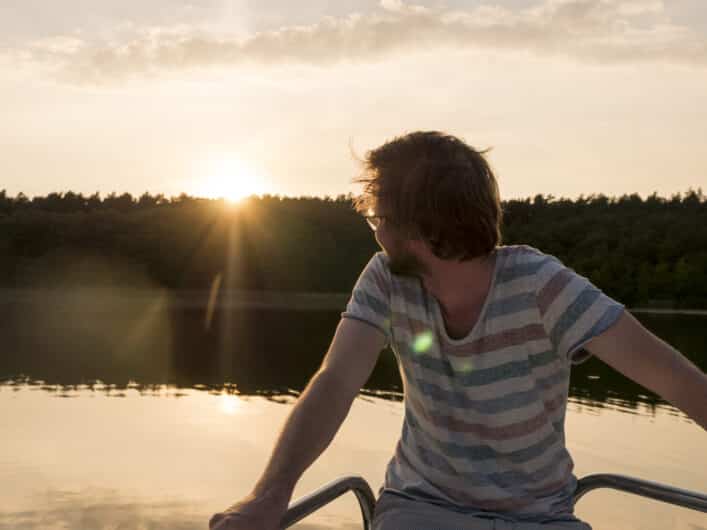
x: 637, y: 353
x: 310, y: 427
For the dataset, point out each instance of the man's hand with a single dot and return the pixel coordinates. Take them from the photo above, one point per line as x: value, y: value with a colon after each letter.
x: 264, y: 512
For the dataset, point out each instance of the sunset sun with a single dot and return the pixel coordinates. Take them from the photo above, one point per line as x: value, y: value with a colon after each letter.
x: 232, y: 180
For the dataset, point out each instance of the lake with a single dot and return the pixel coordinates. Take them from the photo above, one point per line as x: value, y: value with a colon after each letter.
x: 138, y: 412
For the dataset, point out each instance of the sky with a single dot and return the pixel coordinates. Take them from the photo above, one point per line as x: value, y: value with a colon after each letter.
x: 217, y: 97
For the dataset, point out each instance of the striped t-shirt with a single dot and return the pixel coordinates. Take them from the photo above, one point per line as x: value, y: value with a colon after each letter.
x: 484, y: 415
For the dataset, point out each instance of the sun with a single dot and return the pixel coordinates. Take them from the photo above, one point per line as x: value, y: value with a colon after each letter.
x: 230, y: 179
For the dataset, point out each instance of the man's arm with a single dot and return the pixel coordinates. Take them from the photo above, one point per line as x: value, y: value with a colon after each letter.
x: 634, y: 351
x: 310, y: 427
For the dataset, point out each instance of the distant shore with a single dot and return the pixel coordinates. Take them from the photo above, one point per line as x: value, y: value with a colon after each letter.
x: 196, y: 299
x: 122, y: 297
x: 701, y: 312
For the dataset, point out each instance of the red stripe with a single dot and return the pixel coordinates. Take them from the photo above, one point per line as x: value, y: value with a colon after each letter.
x: 506, y: 432
x: 496, y: 341
x: 553, y: 288
x: 553, y: 486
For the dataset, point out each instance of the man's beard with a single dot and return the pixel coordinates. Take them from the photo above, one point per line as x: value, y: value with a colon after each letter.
x: 404, y: 263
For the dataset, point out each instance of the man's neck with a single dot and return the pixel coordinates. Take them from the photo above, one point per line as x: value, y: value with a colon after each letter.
x: 458, y: 283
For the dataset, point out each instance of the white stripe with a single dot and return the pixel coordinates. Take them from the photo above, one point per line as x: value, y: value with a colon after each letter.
x: 503, y: 323
x: 494, y: 390
x: 370, y: 287
x: 495, y: 465
x: 488, y: 492
x: 563, y: 300
x: 503, y: 446
x: 499, y: 419
x: 580, y: 328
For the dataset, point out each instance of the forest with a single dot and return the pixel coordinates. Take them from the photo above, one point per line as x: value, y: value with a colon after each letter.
x: 645, y: 252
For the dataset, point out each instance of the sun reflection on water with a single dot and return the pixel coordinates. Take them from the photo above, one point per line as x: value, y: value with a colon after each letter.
x: 230, y: 404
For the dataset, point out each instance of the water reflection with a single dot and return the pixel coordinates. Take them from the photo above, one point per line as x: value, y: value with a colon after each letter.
x: 99, y: 463
x: 194, y: 424
x: 93, y: 462
x: 108, y: 509
x: 102, y: 509
x: 158, y: 347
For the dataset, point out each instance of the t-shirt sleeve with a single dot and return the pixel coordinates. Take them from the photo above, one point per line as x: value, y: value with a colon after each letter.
x: 573, y: 310
x: 370, y: 298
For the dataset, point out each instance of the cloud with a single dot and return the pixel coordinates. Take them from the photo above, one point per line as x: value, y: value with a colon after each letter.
x: 600, y: 31
x: 392, y: 5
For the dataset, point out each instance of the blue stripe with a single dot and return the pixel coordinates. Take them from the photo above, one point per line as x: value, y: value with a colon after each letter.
x: 364, y: 299
x: 522, y: 269
x: 449, y: 398
x: 612, y: 313
x: 392, y: 480
x: 504, y: 479
x: 439, y: 462
x: 478, y: 452
x: 412, y: 490
x: 510, y: 305
x: 485, y: 376
x: 572, y: 314
x: 546, y: 383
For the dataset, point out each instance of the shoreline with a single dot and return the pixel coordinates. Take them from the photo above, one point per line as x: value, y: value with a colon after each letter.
x: 107, y: 298
x: 235, y: 299
x: 698, y: 312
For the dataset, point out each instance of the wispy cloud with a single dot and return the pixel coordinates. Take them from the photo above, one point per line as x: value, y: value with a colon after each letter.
x: 600, y: 31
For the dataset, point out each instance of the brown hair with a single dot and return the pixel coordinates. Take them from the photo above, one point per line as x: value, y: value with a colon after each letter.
x: 435, y: 187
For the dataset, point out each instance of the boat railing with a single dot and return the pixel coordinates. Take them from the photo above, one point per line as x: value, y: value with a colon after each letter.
x: 311, y: 503
x: 324, y: 495
x: 644, y: 488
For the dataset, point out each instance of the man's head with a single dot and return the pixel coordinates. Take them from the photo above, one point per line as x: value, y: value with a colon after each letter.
x: 433, y: 191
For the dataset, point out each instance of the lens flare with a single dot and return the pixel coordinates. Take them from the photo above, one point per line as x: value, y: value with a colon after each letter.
x: 465, y: 366
x: 422, y: 342
x: 213, y: 296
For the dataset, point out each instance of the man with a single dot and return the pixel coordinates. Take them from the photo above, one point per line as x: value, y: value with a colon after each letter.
x: 485, y: 336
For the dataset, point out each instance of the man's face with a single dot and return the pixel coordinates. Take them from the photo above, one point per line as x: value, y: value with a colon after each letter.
x: 402, y: 258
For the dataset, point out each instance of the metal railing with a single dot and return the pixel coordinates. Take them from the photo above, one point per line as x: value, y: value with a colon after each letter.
x: 324, y: 495
x: 644, y: 488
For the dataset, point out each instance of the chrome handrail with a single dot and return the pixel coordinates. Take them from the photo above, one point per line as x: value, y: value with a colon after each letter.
x: 324, y: 495
x: 644, y: 488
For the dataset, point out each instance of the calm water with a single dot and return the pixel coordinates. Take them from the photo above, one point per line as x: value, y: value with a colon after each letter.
x: 138, y: 413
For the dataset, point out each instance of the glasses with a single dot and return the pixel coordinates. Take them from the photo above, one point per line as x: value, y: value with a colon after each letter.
x: 374, y: 221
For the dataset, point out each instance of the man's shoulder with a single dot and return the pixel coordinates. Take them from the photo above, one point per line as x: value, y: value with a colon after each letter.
x: 525, y: 266
x: 377, y: 270
x: 380, y: 263
x: 380, y: 257
x: 522, y: 255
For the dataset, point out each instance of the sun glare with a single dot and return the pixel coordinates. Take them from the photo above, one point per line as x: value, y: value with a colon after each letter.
x: 230, y: 404
x: 231, y: 180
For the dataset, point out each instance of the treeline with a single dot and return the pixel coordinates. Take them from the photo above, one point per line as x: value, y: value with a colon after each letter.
x: 644, y: 252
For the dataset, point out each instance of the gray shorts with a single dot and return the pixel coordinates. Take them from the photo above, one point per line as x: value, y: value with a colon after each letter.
x: 394, y: 512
